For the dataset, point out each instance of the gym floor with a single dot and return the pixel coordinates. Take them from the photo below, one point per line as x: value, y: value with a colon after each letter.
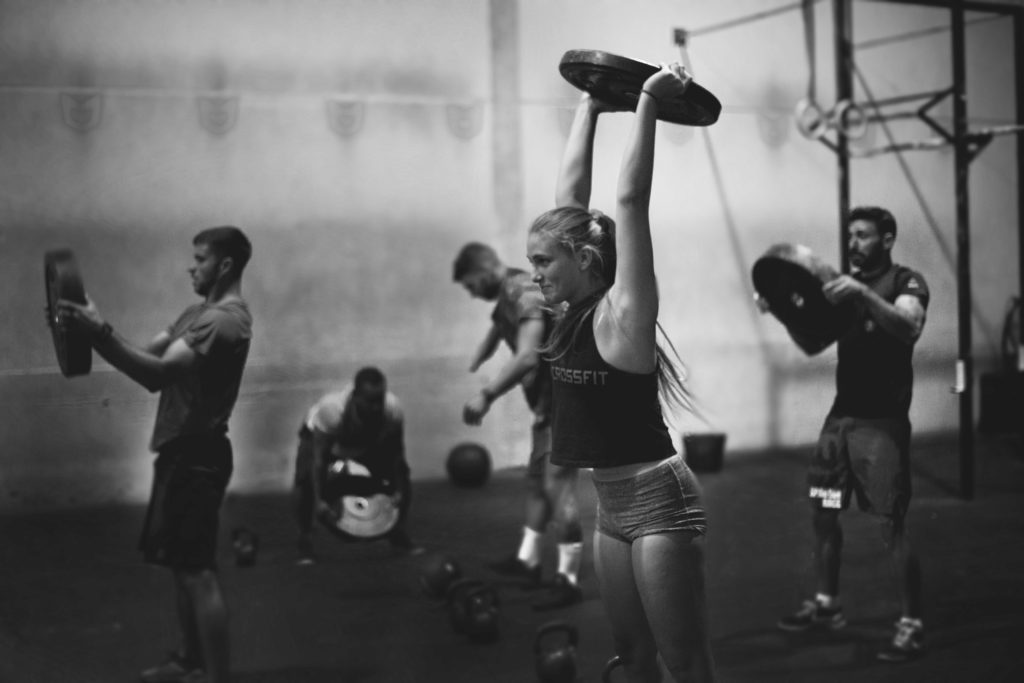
x: 77, y: 605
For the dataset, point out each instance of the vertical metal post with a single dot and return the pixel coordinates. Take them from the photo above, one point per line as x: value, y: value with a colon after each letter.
x: 844, y: 90
x: 1018, y: 51
x: 965, y: 364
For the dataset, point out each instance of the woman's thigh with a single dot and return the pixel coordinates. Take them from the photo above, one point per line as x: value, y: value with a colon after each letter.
x: 613, y: 564
x: 669, y: 574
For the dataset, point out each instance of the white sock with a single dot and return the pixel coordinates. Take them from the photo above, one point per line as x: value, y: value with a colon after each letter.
x: 827, y: 601
x: 529, y: 547
x: 569, y: 558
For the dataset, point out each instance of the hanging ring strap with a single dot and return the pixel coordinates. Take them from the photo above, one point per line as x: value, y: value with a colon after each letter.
x: 810, y: 119
x: 807, y: 11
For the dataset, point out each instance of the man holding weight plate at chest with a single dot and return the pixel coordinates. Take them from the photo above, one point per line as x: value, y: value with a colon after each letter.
x: 196, y: 364
x: 864, y: 445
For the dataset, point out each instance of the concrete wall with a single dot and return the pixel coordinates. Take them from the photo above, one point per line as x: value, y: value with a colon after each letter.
x: 360, y: 144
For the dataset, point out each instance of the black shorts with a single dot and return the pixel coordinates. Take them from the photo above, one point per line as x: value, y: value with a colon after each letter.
x: 191, y: 474
x: 868, y: 458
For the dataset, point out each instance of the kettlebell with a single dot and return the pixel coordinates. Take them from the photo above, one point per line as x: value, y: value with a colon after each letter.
x: 556, y: 663
x: 613, y: 663
x: 480, y: 606
x: 457, y: 604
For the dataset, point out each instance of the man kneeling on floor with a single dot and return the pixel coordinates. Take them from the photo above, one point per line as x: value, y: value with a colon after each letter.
x: 359, y: 429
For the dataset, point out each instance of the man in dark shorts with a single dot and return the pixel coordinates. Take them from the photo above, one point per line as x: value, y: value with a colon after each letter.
x: 522, y: 321
x: 196, y: 364
x: 360, y: 429
x: 863, y: 448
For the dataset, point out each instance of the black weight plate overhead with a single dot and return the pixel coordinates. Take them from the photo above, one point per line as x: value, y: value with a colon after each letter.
x: 72, y: 345
x: 790, y: 278
x: 618, y: 80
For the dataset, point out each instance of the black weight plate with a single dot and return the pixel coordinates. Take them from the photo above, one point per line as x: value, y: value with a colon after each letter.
x: 618, y: 80
x: 73, y: 348
x: 790, y: 279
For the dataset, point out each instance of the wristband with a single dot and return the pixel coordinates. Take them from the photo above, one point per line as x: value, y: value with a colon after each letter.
x: 488, y: 396
x: 106, y: 332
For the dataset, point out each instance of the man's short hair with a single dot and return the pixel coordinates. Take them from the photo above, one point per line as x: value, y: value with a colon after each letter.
x: 227, y: 241
x: 473, y: 256
x: 369, y: 375
x: 882, y: 219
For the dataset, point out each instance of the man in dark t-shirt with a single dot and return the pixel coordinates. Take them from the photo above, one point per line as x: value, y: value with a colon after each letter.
x: 863, y: 448
x: 196, y: 364
x: 521, y: 320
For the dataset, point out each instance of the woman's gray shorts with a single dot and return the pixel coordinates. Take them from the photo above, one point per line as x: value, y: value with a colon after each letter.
x: 663, y: 499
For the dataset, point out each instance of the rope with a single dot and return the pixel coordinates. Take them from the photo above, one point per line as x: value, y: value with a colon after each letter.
x: 910, y: 35
x: 736, y: 245
x: 732, y: 23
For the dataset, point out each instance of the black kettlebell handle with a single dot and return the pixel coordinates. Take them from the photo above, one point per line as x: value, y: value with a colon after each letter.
x: 613, y: 663
x: 572, y: 634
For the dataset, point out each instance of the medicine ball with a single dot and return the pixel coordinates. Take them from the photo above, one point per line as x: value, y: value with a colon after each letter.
x: 469, y: 465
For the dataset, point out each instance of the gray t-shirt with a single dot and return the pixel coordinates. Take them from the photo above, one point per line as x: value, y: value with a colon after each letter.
x: 519, y: 300
x: 202, y: 400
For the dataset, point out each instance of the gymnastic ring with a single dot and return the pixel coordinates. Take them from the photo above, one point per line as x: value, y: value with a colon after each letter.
x: 849, y: 118
x: 811, y: 121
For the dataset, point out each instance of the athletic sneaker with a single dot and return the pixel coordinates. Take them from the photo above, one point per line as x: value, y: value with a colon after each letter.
x: 908, y: 642
x: 173, y: 670
x: 813, y: 614
x: 561, y: 593
x: 514, y: 567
